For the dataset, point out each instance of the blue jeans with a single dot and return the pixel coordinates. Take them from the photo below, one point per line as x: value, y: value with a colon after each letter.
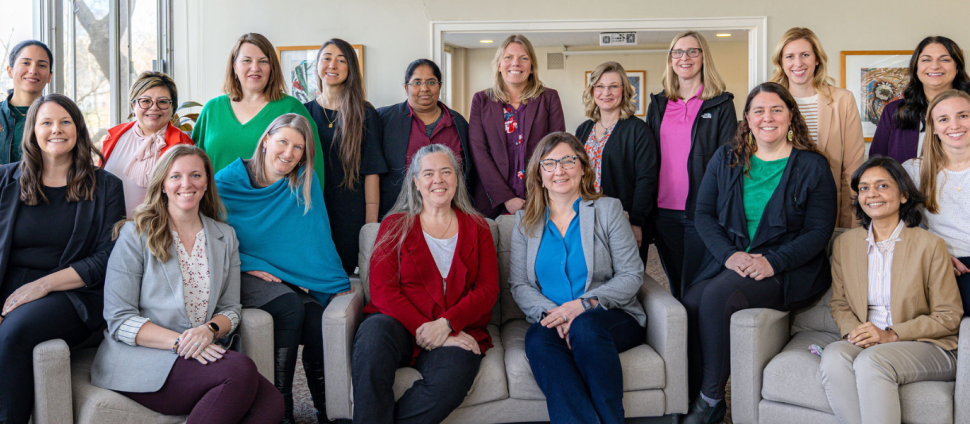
x: 584, y: 384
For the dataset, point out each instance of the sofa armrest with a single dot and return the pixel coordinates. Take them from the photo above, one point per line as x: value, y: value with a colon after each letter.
x: 961, y: 413
x: 52, y: 383
x: 667, y: 335
x: 256, y: 333
x: 757, y: 335
x: 340, y: 322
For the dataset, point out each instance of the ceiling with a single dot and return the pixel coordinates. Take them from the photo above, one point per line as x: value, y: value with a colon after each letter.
x: 581, y: 38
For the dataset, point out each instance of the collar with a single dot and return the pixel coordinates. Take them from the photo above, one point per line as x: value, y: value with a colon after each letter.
x: 444, y: 110
x: 696, y: 95
x: 575, y: 209
x: 893, y: 238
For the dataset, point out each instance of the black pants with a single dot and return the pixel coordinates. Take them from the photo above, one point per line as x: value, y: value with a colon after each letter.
x: 381, y: 346
x: 710, y: 304
x: 50, y: 317
x: 680, y: 248
x: 296, y: 323
x: 963, y: 283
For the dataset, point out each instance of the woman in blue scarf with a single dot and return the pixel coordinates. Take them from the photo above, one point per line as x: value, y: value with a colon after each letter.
x: 275, y: 203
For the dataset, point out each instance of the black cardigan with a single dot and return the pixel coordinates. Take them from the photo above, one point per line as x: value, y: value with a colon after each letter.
x: 794, y: 230
x: 629, y: 169
x: 397, y: 131
x: 90, y: 244
x: 714, y: 126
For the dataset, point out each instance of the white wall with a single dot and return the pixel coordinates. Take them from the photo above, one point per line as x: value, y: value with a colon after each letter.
x: 395, y: 32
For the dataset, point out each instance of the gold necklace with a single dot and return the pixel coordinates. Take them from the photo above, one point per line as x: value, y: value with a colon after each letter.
x: 442, y: 236
x: 325, y: 115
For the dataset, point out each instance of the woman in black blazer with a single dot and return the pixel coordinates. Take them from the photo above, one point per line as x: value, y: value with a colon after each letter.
x: 417, y: 122
x: 621, y: 148
x: 53, y: 271
x: 767, y: 208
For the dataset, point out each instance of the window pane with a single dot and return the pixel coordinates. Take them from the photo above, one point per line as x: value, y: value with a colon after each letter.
x: 92, y: 64
x: 144, y: 37
x: 16, y: 25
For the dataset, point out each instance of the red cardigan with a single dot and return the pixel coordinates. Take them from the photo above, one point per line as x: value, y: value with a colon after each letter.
x: 173, y: 136
x: 410, y: 289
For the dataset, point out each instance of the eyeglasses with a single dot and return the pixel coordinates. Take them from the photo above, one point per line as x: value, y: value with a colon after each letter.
x: 691, y: 52
x: 567, y: 163
x: 429, y: 83
x: 613, y: 88
x: 146, y: 103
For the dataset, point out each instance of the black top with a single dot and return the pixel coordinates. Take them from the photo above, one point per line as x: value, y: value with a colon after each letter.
x: 346, y: 207
x: 794, y: 230
x: 629, y: 169
x: 714, y: 126
x: 89, y: 242
x: 41, y: 232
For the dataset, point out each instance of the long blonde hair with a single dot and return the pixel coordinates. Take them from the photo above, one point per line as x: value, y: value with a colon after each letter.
x: 533, y: 88
x: 152, y: 217
x: 627, y: 108
x: 537, y: 197
x: 301, y: 177
x: 710, y: 78
x: 822, y: 82
x: 933, y: 159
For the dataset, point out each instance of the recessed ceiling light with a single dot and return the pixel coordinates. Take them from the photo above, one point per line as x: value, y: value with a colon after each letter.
x: 722, y: 35
x: 486, y: 41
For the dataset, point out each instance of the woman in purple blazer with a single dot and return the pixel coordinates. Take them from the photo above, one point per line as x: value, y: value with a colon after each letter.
x: 506, y: 123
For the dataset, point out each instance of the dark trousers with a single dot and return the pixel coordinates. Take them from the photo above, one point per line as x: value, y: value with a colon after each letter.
x: 296, y: 323
x: 583, y: 384
x: 50, y: 317
x: 963, y: 283
x: 381, y: 346
x: 710, y: 304
x: 229, y: 391
x: 680, y: 248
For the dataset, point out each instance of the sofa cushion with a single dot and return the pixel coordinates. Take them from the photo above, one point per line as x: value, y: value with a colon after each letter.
x: 490, y: 383
x: 510, y: 310
x: 817, y: 317
x: 643, y: 369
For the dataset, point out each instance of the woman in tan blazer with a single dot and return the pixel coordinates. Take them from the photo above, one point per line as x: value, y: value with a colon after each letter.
x: 830, y: 112
x: 894, y: 299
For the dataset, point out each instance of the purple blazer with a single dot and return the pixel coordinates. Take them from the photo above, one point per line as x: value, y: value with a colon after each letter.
x: 487, y: 140
x: 890, y: 140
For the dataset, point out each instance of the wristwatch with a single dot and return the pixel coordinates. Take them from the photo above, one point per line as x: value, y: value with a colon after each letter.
x: 587, y: 304
x: 214, y: 328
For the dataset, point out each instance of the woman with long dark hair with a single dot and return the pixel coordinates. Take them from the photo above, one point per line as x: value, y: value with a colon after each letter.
x: 29, y: 68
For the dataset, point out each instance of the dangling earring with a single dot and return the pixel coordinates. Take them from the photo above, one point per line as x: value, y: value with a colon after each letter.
x: 791, y: 135
x: 751, y: 138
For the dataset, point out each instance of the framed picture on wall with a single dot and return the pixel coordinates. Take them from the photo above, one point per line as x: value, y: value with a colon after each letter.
x: 639, y: 81
x: 875, y: 78
x: 300, y: 69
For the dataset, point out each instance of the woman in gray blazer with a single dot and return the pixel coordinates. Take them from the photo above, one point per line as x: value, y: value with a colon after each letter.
x: 575, y: 272
x: 171, y: 291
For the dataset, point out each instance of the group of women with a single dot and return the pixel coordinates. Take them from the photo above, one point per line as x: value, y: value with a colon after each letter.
x: 171, y: 236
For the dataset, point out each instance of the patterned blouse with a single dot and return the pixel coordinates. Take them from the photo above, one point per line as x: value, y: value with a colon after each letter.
x: 594, y: 149
x: 195, y: 277
x: 515, y: 137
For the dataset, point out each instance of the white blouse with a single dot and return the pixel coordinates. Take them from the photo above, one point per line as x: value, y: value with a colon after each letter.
x: 951, y: 221
x: 880, y: 277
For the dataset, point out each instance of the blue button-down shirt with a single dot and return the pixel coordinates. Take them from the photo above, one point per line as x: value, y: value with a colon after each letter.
x: 560, y: 263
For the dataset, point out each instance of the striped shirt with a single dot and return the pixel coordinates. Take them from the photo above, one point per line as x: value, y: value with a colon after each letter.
x: 880, y: 277
x: 808, y: 106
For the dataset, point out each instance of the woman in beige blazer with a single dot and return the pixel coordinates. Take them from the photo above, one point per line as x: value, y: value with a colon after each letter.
x: 829, y: 111
x: 894, y: 299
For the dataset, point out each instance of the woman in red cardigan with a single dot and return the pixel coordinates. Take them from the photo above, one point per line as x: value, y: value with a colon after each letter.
x: 131, y: 149
x: 433, y: 282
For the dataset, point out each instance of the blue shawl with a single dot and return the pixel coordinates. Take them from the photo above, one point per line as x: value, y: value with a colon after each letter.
x: 276, y: 237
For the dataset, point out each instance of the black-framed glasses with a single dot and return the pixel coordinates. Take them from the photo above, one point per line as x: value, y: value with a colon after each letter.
x: 146, y: 103
x: 567, y: 163
x: 417, y: 84
x: 691, y: 52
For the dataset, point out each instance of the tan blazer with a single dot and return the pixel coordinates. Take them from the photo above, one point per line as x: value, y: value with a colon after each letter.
x: 840, y: 138
x: 924, y: 298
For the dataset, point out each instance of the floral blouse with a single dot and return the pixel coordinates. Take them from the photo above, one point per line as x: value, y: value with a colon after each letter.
x: 195, y: 277
x: 594, y: 149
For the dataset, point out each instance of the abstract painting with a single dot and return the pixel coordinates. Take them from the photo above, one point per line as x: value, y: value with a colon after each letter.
x: 875, y: 79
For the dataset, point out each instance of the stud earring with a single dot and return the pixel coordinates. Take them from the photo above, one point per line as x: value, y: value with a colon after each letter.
x: 264, y: 150
x: 791, y: 135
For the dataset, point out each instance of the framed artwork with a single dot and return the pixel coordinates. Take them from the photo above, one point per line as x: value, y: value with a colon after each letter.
x: 300, y: 69
x: 639, y: 81
x: 875, y: 78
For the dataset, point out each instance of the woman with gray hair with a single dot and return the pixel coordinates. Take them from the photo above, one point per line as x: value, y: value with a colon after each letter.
x: 434, y: 321
x: 275, y: 203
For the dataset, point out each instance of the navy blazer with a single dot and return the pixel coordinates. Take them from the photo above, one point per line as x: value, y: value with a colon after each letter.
x: 89, y: 246
x: 397, y: 134
x: 795, y: 227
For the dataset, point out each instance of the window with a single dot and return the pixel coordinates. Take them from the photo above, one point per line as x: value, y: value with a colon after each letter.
x: 446, y: 73
x: 15, y: 26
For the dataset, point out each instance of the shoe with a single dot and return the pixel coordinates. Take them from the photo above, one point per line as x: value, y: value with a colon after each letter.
x: 283, y: 371
x: 316, y: 383
x: 702, y: 412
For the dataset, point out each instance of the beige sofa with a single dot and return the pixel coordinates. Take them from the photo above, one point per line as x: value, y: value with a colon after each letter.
x: 654, y: 374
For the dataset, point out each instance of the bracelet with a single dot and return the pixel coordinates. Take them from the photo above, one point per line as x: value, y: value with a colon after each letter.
x: 175, y: 347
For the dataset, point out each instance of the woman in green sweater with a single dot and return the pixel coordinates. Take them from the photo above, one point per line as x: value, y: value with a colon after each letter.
x: 29, y: 70
x: 230, y: 125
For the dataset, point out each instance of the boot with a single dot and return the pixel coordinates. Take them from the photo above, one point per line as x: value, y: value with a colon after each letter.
x: 704, y: 413
x: 283, y: 374
x: 316, y: 381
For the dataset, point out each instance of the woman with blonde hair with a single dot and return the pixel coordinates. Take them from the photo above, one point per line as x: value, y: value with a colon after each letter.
x: 275, y: 203
x: 941, y: 173
x: 621, y: 148
x: 830, y: 112
x: 506, y: 123
x: 691, y: 118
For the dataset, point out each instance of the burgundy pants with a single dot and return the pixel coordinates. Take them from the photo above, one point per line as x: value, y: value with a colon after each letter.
x: 229, y: 391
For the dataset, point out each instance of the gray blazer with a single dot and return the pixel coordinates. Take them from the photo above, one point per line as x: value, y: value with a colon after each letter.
x: 612, y: 258
x: 137, y: 284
